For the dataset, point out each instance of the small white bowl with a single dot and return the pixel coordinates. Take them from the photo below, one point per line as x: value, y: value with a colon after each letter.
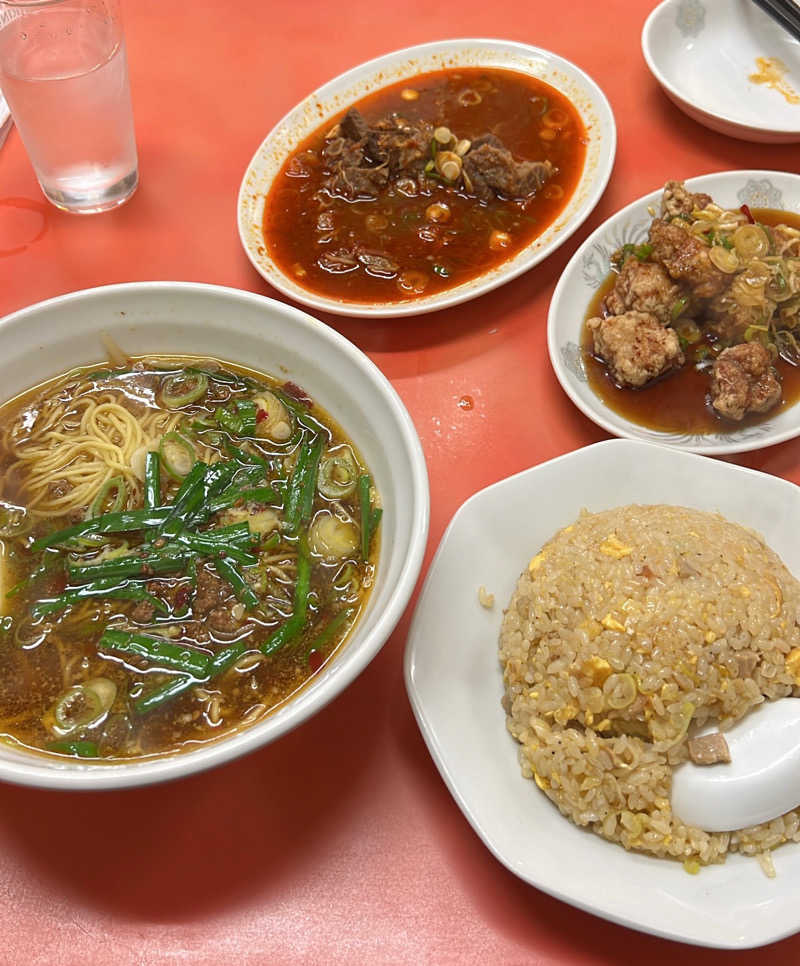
x: 455, y: 684
x: 590, y: 265
x: 44, y: 340
x: 702, y: 53
x: 337, y: 94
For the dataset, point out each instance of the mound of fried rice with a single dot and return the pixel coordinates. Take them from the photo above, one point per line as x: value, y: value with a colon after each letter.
x: 627, y: 631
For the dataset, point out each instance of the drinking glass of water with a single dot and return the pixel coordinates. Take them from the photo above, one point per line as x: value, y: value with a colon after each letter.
x: 64, y: 73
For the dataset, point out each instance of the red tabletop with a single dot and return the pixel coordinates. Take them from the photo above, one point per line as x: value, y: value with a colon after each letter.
x: 338, y: 843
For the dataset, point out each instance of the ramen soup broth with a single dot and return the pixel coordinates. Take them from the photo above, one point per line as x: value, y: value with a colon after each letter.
x: 185, y: 543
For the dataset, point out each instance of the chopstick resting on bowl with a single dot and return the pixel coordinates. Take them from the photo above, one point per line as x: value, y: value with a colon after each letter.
x: 784, y: 12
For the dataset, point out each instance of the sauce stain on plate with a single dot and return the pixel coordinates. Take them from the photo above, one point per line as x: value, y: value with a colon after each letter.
x: 771, y: 71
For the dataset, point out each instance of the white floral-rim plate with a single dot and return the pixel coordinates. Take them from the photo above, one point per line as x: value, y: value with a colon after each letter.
x: 590, y: 265
x: 350, y: 87
x: 454, y: 681
x: 728, y: 66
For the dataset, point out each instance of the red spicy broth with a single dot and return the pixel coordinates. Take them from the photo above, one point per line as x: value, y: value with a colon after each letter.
x: 534, y: 121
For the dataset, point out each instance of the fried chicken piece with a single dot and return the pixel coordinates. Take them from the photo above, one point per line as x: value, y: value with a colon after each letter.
x: 636, y: 347
x: 677, y: 200
x: 686, y: 259
x: 743, y: 381
x: 645, y: 287
x: 729, y: 319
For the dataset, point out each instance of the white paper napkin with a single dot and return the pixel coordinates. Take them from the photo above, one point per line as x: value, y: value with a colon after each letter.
x: 5, y: 119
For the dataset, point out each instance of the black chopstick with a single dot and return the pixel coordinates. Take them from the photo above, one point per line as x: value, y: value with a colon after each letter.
x: 784, y: 12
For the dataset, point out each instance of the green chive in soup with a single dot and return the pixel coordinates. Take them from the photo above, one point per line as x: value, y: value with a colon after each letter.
x: 184, y: 544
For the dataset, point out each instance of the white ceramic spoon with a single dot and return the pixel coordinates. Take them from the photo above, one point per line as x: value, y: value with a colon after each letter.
x: 761, y: 781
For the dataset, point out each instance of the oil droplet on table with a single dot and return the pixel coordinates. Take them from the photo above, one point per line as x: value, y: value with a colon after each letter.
x: 22, y: 222
x: 770, y: 72
x: 466, y: 402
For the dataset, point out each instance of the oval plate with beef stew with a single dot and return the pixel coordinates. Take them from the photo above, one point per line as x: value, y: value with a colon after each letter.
x: 426, y: 177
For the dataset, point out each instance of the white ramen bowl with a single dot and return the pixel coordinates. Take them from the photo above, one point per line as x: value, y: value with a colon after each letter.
x: 52, y: 337
x: 333, y: 97
x: 704, y: 54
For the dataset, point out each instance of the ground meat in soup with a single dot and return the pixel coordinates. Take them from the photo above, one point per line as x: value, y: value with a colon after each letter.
x: 218, y: 599
x: 743, y: 381
x: 636, y: 347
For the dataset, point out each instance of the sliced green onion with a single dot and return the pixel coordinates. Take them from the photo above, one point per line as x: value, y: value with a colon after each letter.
x: 14, y: 520
x: 159, y: 651
x: 182, y: 388
x: 164, y: 692
x: 259, y: 494
x: 370, y: 517
x: 82, y: 704
x: 172, y: 560
x: 678, y: 308
x: 128, y: 520
x: 295, y: 624
x: 338, y: 474
x: 329, y: 631
x: 238, y: 418
x: 242, y: 456
x: 152, y: 479
x: 107, y: 588
x: 177, y: 454
x: 218, y: 375
x: 228, y: 570
x: 99, y: 506
x: 187, y: 500
x: 79, y: 749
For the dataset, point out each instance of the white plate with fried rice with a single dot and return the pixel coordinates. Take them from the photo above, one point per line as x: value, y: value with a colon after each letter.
x: 455, y: 683
x: 590, y: 267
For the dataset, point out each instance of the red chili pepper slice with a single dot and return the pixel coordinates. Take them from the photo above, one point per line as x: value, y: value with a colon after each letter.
x: 746, y: 212
x: 261, y: 415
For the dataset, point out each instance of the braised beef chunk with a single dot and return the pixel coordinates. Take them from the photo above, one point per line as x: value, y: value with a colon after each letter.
x: 353, y: 126
x: 378, y: 264
x: 646, y: 287
x: 743, y: 381
x: 351, y: 176
x: 636, y: 347
x: 678, y: 200
x: 491, y: 139
x: 492, y: 170
x: 686, y: 259
x: 398, y: 144
x: 363, y: 158
x: 338, y: 262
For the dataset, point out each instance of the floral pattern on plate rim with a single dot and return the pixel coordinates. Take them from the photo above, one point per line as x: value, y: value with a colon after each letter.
x: 690, y: 18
